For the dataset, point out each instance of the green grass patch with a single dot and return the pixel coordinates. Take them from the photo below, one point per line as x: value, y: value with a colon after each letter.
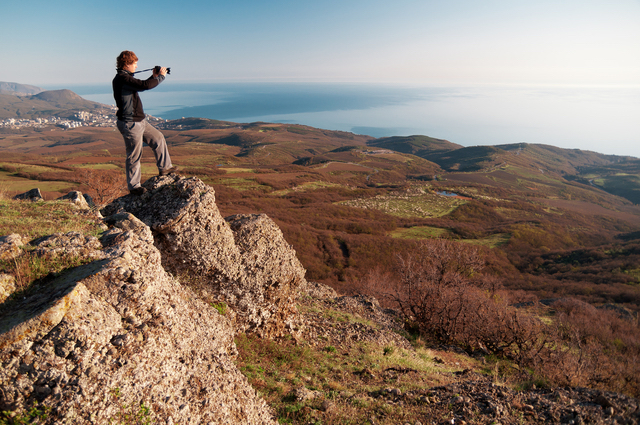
x: 409, y: 204
x: 11, y: 183
x: 343, y: 376
x: 232, y: 170
x: 419, y: 232
x: 35, y: 415
x: 306, y: 187
x: 621, y: 184
x: 105, y: 166
x: 490, y: 241
x: 635, y: 273
x: 29, y: 269
x: 147, y: 168
x: 27, y: 168
x: 347, y: 374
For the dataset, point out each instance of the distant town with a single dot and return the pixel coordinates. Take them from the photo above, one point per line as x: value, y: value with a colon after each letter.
x: 80, y: 119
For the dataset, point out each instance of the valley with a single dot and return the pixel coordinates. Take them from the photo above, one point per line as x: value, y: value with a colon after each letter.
x: 348, y: 202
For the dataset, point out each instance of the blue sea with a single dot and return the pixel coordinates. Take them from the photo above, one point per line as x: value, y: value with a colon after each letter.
x: 600, y: 119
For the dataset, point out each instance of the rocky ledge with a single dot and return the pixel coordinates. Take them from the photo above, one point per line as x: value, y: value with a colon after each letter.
x: 242, y: 260
x: 120, y: 336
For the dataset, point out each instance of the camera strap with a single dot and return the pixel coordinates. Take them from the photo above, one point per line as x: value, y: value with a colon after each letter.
x: 151, y: 69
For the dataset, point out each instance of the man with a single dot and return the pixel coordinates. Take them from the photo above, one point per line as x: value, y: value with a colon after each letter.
x: 132, y: 122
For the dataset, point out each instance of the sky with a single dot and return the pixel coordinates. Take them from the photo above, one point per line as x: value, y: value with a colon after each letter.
x: 592, y: 46
x: 542, y: 42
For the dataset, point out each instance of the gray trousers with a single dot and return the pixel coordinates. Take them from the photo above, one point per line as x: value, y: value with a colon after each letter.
x: 135, y: 134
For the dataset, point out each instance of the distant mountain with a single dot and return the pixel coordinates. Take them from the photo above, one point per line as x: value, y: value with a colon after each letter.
x: 453, y: 157
x: 62, y: 103
x: 18, y: 89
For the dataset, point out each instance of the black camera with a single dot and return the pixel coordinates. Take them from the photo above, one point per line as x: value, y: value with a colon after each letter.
x: 157, y: 69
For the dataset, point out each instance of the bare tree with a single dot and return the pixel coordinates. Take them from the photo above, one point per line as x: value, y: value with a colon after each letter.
x: 102, y: 185
x: 431, y: 285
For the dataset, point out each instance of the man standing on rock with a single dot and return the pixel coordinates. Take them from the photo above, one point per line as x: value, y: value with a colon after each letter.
x: 132, y: 122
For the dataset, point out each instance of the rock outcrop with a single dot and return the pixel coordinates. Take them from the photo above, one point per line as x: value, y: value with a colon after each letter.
x: 32, y: 195
x: 120, y: 338
x: 77, y: 199
x: 243, y: 260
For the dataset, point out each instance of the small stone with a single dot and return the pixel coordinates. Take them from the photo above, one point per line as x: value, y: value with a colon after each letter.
x: 10, y: 246
x: 327, y: 406
x: 92, y: 371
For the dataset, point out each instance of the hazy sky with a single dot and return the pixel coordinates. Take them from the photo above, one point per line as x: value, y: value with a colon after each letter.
x: 415, y: 41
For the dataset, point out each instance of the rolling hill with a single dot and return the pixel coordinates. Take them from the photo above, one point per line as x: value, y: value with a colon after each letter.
x: 18, y: 89
x: 61, y: 103
x: 421, y: 146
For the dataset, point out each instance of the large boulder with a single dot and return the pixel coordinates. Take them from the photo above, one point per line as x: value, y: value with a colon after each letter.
x: 120, y: 338
x: 244, y: 259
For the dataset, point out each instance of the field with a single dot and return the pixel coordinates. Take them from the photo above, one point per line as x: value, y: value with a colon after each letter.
x: 419, y: 201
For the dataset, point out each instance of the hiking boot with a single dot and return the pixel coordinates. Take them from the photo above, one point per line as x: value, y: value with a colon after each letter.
x: 168, y: 171
x: 138, y: 191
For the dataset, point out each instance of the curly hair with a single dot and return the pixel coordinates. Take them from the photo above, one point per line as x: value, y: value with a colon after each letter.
x: 125, y: 58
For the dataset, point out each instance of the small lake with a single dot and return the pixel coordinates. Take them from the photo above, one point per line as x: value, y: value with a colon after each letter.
x: 445, y: 193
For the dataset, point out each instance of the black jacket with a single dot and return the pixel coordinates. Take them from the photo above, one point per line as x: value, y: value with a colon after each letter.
x: 125, y: 93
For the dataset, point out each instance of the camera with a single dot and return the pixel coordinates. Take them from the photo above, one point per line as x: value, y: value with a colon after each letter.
x: 157, y: 69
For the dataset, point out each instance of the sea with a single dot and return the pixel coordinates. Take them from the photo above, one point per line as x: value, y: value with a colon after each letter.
x: 604, y: 119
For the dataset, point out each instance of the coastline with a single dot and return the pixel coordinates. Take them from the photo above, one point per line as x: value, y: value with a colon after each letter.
x: 571, y: 117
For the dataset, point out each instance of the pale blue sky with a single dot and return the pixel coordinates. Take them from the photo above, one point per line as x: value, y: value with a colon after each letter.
x: 408, y: 41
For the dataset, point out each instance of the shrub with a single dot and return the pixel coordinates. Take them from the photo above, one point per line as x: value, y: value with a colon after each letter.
x: 432, y: 286
x: 440, y: 293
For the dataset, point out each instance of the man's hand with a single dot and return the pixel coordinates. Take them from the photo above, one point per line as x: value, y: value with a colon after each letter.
x: 162, y: 71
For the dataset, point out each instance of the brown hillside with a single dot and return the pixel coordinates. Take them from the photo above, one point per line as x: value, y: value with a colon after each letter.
x: 45, y: 104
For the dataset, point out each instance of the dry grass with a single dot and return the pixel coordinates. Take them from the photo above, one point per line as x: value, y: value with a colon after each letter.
x: 344, y: 385
x: 35, y: 219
